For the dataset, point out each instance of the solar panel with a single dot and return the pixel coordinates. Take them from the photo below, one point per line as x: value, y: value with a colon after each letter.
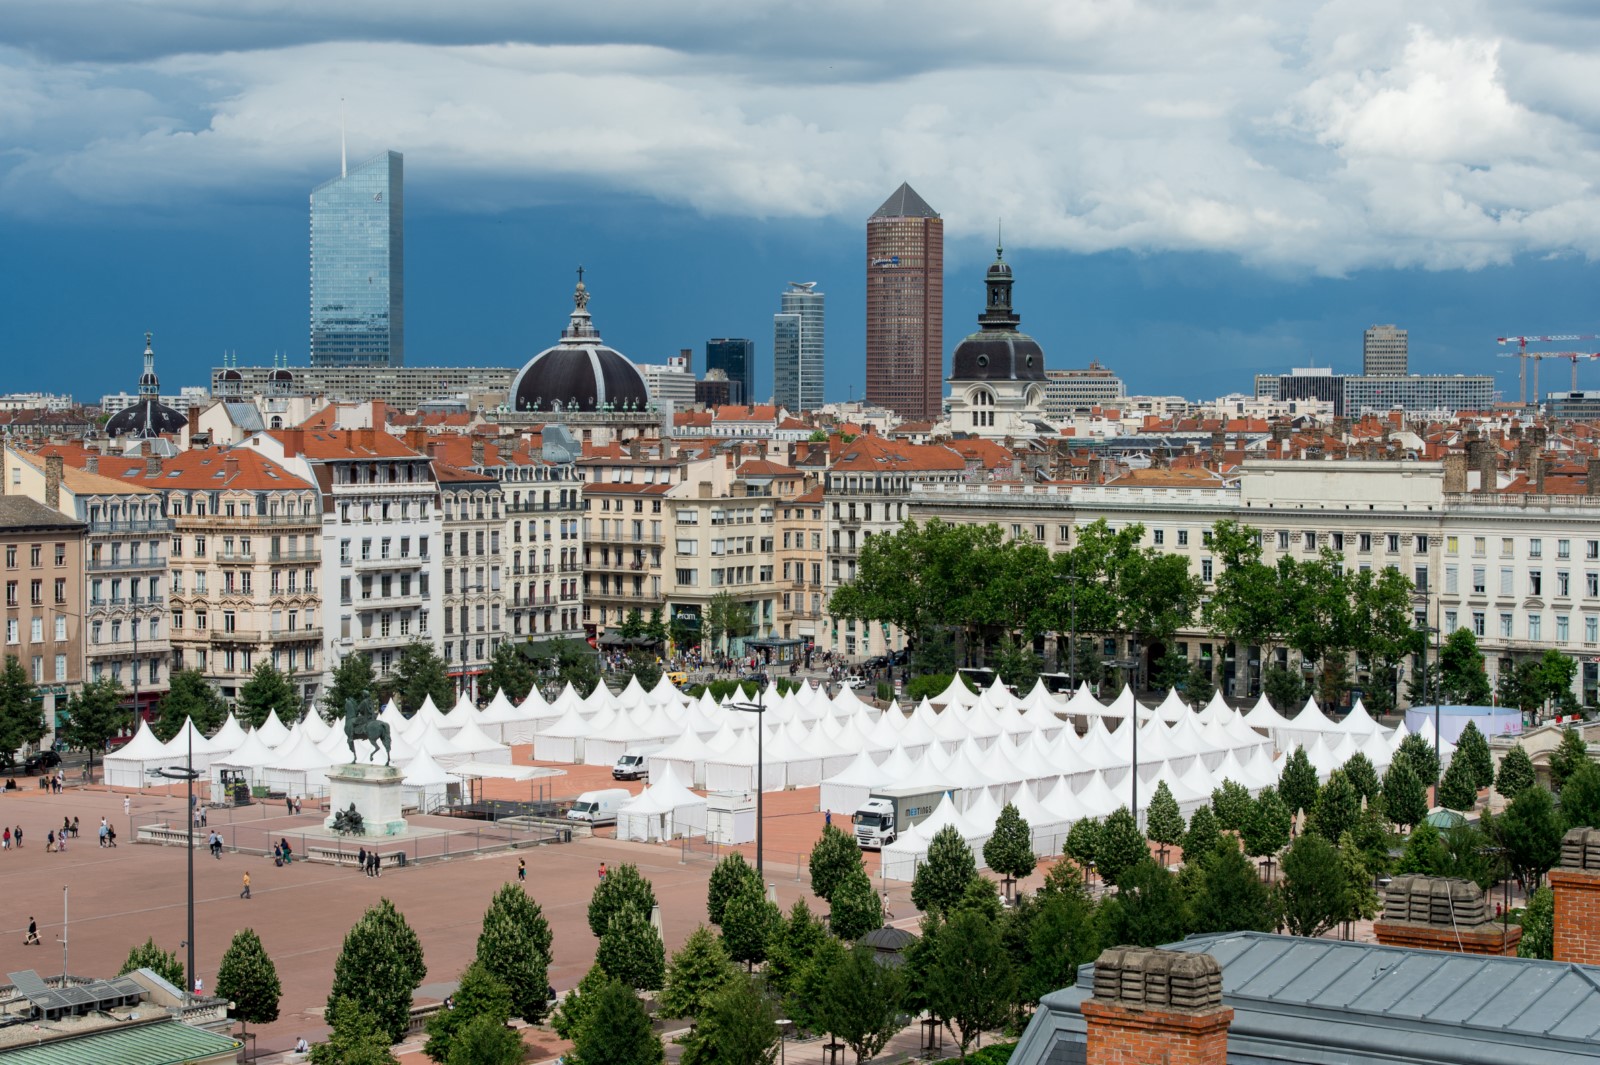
x: 78, y: 998
x: 27, y: 981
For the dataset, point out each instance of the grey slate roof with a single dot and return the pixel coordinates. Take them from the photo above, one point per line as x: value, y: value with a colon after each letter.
x: 20, y: 512
x: 905, y: 203
x: 246, y: 416
x: 1327, y: 1001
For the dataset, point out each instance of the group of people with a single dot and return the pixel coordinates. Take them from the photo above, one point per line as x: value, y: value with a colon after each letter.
x: 371, y: 862
x: 56, y: 841
x: 108, y: 833
x: 55, y: 783
x: 281, y: 854
x: 10, y: 837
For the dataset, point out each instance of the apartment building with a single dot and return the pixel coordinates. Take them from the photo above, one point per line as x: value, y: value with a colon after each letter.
x: 624, y: 527
x: 868, y: 491
x: 128, y: 531
x: 800, y: 558
x: 41, y: 550
x: 473, y: 588
x: 380, y: 531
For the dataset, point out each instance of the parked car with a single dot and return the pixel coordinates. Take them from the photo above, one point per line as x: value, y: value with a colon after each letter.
x: 854, y: 681
x: 38, y: 763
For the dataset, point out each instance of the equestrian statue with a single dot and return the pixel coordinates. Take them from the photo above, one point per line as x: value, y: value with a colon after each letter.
x: 361, y: 722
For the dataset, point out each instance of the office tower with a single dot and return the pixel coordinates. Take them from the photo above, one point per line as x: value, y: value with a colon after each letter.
x: 905, y: 306
x: 358, y: 266
x: 797, y: 348
x: 735, y: 357
x: 1383, y: 352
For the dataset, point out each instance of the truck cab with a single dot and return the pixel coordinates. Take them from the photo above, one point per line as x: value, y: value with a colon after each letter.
x: 874, y: 824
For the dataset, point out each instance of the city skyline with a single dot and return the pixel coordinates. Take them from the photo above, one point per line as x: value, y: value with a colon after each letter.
x: 1187, y: 223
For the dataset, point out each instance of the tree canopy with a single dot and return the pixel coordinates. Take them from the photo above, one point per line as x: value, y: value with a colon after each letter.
x: 94, y: 714
x: 268, y: 690
x: 189, y: 696
x: 379, y: 968
x: 420, y: 675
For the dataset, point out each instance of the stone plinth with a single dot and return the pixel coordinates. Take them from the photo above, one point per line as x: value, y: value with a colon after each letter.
x: 374, y: 790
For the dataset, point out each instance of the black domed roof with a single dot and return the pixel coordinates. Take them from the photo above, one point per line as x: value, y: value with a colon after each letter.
x: 146, y: 418
x: 230, y: 374
x: 998, y: 351
x: 280, y: 374
x: 580, y: 373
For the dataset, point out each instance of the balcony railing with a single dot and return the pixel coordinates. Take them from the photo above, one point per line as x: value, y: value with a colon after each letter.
x: 289, y: 635
x: 309, y: 555
x: 130, y: 528
x: 236, y: 558
x: 235, y: 635
x: 394, y: 639
x: 408, y: 562
x: 122, y: 565
x: 187, y: 521
x: 377, y: 602
x: 120, y: 601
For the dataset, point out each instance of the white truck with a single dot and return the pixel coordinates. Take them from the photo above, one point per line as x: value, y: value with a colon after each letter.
x: 599, y: 807
x: 633, y: 764
x: 890, y: 811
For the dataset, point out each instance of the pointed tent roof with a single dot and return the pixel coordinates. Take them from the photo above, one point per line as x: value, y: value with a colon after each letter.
x: 425, y: 771
x: 300, y: 755
x: 272, y: 730
x: 665, y: 794
x: 230, y: 735
x: 314, y: 726
x: 905, y: 203
x: 251, y: 753
x: 861, y: 772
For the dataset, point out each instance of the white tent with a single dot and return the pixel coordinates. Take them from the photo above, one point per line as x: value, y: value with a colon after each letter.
x: 665, y: 810
x: 900, y: 859
x: 229, y: 736
x: 845, y: 791
x: 128, y: 765
x: 297, y: 768
x: 1048, y: 828
x: 426, y: 783
x: 476, y: 745
x: 314, y: 726
x: 248, y: 758
x: 272, y: 730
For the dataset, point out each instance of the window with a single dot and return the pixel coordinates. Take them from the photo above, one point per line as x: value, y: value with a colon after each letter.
x: 1420, y: 577
x: 1505, y: 580
x: 1563, y: 628
x: 1452, y: 579
x: 1535, y: 627
x: 1535, y: 582
x: 1591, y: 628
x: 1563, y: 548
x: 1452, y: 544
x: 1506, y: 623
x: 1563, y: 584
x: 1392, y: 541
x: 1338, y: 541
x: 1205, y: 570
x: 61, y: 667
x: 1421, y: 541
x: 1310, y: 540
x: 1535, y: 548
x: 1364, y: 542
x: 1450, y: 621
x: 12, y: 628
x: 61, y: 554
x: 1183, y: 537
x: 1591, y: 549
x: 36, y: 630
x: 690, y: 547
x: 1283, y: 539
x: 1477, y: 623
x: 1158, y: 537
x: 1591, y: 584
x: 61, y: 627
x: 1507, y: 547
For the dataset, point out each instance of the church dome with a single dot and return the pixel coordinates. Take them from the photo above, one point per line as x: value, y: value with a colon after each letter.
x: 580, y: 373
x: 149, y: 417
x: 230, y: 374
x: 998, y: 351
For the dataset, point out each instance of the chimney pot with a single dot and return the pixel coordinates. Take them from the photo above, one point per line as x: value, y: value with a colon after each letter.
x: 53, y: 467
x: 1159, y: 1005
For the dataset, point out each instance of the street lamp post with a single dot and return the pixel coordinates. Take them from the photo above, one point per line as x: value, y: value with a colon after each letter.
x: 759, y: 709
x: 1131, y: 664
x: 187, y: 774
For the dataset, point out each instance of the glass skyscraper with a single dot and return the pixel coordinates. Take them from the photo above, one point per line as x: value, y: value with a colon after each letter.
x: 735, y: 357
x: 358, y: 266
x: 797, y: 352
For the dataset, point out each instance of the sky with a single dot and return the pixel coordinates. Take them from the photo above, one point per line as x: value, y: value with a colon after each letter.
x: 1192, y: 191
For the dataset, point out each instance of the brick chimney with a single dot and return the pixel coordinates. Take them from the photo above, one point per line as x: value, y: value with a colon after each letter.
x: 1442, y: 913
x: 1576, y: 883
x: 294, y: 442
x: 152, y: 464
x: 1488, y: 466
x: 416, y: 438
x: 53, y: 465
x: 1156, y: 1006
x: 230, y: 466
x: 477, y: 451
x: 1455, y: 472
x: 1591, y: 479
x: 91, y: 463
x: 1219, y: 444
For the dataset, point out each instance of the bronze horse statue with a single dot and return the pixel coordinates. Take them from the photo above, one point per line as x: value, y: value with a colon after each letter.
x: 361, y: 722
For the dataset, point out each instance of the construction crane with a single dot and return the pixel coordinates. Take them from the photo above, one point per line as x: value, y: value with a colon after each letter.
x: 1524, y: 355
x: 1537, y: 356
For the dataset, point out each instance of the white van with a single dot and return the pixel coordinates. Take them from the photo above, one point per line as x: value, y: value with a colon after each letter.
x: 598, y: 807
x: 632, y: 764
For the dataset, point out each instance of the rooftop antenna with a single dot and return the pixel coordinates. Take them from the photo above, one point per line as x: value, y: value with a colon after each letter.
x: 344, y: 170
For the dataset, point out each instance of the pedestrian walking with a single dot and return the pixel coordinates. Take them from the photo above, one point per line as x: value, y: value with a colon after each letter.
x: 601, y: 874
x: 16, y: 837
x: 50, y: 841
x: 74, y: 826
x: 111, y: 835
x: 127, y: 806
x: 288, y: 805
x: 827, y: 819
x: 522, y: 870
x: 361, y: 859
x: 246, y: 892
x: 216, y: 845
x: 33, y: 934
x: 5, y: 839
x: 105, y: 833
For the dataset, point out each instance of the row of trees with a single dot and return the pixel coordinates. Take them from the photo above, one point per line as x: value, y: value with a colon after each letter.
x: 246, y: 977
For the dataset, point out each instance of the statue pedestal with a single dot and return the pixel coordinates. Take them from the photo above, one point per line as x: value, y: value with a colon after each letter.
x: 374, y: 790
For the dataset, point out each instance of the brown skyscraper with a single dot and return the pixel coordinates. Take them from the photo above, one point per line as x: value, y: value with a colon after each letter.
x: 905, y: 306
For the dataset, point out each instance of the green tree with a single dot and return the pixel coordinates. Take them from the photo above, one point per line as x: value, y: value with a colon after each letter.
x: 94, y: 714
x: 1009, y: 851
x: 1362, y: 775
x: 189, y: 695
x: 1471, y: 745
x: 1360, y: 894
x: 1203, y: 832
x: 483, y: 1040
x: 357, y: 1037
x: 1249, y: 605
x: 1424, y: 760
x: 749, y: 923
x: 941, y: 879
x: 21, y: 711
x: 1063, y: 936
x: 621, y: 884
x: 1198, y: 687
x: 248, y: 979
x: 1580, y: 797
x: 514, y: 947
x: 727, y: 619
x: 1569, y: 754
x: 1083, y: 841
x: 1266, y: 829
x: 631, y: 950
x: 420, y: 675
x: 573, y: 1012
x: 1539, y: 926
x: 643, y: 666
x: 1462, y: 678
x: 695, y: 974
x: 797, y: 941
x: 1016, y: 663
x: 1314, y: 895
x: 617, y: 1030
x: 1297, y: 784
x: 737, y: 1027
x: 1516, y: 772
x: 164, y: 963
x: 571, y: 663
x: 1529, y: 832
x: 861, y: 1001
x: 479, y: 994
x: 1338, y: 806
x: 379, y: 968
x: 1456, y: 791
x: 833, y: 856
x: 1147, y: 910
x: 632, y: 626
x: 968, y: 981
x: 268, y: 690
x: 1405, y: 796
x: 1232, y: 804
x: 807, y: 1001
x: 352, y: 679
x: 1425, y: 853
x: 856, y: 908
x: 1163, y: 823
x: 1122, y: 846
x: 729, y: 877
x: 1286, y: 688
x: 1229, y: 895
x: 509, y: 672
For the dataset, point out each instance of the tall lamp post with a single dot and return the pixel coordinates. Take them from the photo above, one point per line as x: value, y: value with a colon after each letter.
x: 759, y: 709
x: 187, y: 774
x: 1131, y: 664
